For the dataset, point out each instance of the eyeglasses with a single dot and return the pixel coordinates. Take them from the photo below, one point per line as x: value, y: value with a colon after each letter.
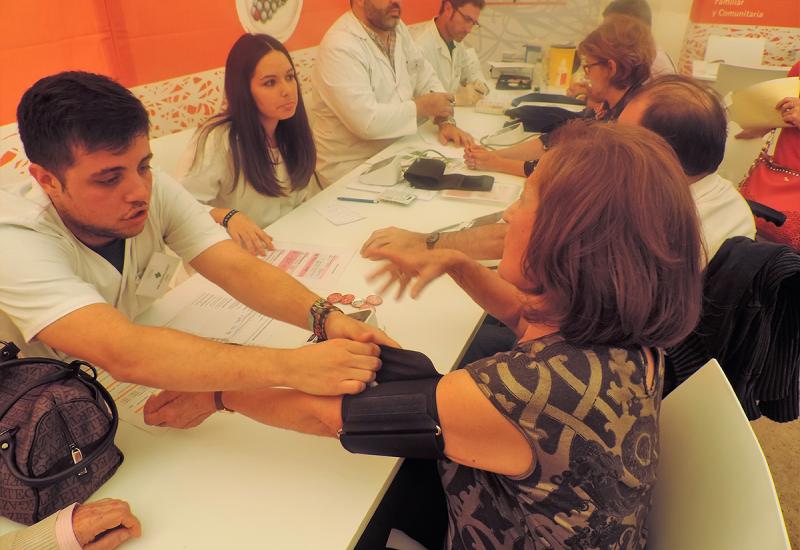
x: 469, y: 20
x: 590, y: 65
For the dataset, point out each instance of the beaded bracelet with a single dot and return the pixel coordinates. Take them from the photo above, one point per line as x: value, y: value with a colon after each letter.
x: 228, y: 217
x: 318, y: 315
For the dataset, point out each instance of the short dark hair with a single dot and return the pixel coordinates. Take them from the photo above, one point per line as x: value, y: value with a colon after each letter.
x: 614, y: 251
x: 639, y: 9
x: 690, y: 116
x: 77, y: 109
x: 480, y: 4
x: 247, y: 139
x: 628, y: 42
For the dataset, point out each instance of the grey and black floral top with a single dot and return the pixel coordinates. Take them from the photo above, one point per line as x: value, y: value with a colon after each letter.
x: 592, y: 425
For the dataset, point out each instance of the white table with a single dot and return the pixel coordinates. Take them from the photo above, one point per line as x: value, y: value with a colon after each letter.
x: 233, y: 483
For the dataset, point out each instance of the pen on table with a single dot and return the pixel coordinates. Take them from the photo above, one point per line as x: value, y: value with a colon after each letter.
x: 357, y: 199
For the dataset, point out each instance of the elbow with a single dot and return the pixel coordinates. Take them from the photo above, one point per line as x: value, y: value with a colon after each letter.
x: 122, y: 370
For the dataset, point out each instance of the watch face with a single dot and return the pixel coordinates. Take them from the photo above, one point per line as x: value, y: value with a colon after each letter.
x: 431, y: 239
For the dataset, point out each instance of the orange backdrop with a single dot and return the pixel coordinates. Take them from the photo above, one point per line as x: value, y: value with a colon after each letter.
x: 763, y: 13
x: 137, y: 41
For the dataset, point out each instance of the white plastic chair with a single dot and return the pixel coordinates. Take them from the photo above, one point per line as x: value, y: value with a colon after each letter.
x: 168, y: 151
x: 714, y: 489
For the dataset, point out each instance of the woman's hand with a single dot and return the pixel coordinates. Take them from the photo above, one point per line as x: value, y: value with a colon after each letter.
x: 789, y: 107
x: 246, y: 233
x: 404, y: 267
x: 578, y: 89
x: 478, y: 157
x: 339, y: 325
x: 104, y: 524
x: 752, y: 133
x: 175, y: 409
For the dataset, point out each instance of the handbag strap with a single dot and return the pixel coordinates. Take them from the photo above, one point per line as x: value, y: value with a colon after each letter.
x: 8, y: 437
x: 767, y: 158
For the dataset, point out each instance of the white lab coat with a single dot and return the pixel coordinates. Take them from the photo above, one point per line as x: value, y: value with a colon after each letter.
x: 360, y: 105
x: 462, y: 67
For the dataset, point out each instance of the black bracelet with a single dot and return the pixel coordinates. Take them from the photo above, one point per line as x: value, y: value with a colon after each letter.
x: 219, y: 404
x: 529, y: 167
x: 228, y: 217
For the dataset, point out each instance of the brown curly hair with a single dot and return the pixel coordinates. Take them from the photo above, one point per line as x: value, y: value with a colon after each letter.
x: 627, y: 41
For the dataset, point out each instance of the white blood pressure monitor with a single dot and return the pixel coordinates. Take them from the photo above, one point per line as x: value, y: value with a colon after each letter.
x: 384, y: 173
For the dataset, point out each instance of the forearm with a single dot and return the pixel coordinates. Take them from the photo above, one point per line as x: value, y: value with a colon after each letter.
x: 162, y: 357
x: 218, y: 214
x: 39, y: 536
x: 289, y: 410
x: 498, y: 297
x: 481, y: 243
x: 515, y: 167
x: 532, y: 149
x: 255, y: 283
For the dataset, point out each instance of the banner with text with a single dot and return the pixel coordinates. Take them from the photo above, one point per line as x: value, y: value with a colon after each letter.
x: 764, y: 13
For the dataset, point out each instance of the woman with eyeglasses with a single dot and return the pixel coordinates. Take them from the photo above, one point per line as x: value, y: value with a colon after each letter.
x: 254, y: 162
x: 616, y: 57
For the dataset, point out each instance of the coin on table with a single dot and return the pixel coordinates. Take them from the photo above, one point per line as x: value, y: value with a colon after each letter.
x: 347, y: 299
x: 334, y: 298
x: 358, y: 303
x: 374, y: 300
x: 365, y: 305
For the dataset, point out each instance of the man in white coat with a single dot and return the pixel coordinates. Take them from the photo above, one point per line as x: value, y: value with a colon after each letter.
x: 370, y: 85
x: 441, y: 42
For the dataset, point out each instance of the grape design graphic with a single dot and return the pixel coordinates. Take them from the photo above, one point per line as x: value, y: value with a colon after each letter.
x: 264, y: 10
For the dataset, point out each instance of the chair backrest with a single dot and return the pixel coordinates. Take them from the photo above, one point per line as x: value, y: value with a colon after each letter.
x: 714, y: 487
x: 170, y: 150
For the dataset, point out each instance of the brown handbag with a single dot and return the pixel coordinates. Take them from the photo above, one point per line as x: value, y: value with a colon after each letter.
x: 57, y: 428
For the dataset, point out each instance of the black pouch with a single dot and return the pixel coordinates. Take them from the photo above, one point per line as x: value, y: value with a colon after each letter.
x: 429, y: 174
x: 538, y: 118
x: 546, y: 98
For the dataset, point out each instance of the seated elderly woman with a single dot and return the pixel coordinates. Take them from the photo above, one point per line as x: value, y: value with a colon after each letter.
x: 616, y: 57
x: 600, y: 271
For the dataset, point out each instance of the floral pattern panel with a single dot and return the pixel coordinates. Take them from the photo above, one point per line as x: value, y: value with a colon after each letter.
x: 781, y: 43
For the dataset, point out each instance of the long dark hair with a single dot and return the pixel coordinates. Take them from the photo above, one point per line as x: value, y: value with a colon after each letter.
x: 247, y: 139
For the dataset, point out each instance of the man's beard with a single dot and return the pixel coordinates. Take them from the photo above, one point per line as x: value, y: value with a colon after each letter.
x: 379, y: 18
x: 88, y: 229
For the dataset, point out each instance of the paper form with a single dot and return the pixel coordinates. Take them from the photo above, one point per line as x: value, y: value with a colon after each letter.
x: 218, y: 316
x: 754, y: 107
x: 338, y: 214
x: 130, y: 400
x: 310, y: 264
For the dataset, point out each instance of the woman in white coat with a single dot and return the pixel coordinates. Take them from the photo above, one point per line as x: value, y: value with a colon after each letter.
x: 254, y: 162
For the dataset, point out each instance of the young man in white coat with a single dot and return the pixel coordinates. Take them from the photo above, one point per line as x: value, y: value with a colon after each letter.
x: 370, y: 86
x: 83, y: 245
x: 441, y: 42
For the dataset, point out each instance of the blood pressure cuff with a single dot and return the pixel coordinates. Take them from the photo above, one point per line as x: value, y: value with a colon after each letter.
x: 546, y: 98
x: 398, y: 416
x: 538, y: 118
x: 429, y: 174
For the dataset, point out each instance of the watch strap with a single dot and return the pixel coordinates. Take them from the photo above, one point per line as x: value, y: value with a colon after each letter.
x: 219, y: 404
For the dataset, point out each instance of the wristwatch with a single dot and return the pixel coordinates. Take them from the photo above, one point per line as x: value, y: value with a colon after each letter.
x: 432, y: 239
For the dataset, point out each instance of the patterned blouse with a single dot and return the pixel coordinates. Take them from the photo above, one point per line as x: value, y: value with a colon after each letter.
x: 592, y: 426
